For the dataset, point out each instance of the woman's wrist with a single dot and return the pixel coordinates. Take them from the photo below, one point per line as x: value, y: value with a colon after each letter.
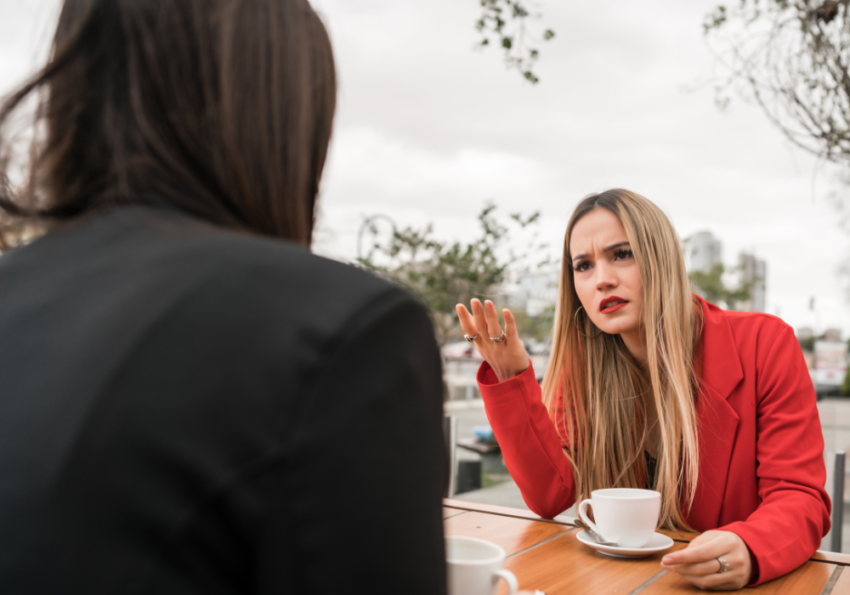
x: 504, y: 373
x: 490, y: 381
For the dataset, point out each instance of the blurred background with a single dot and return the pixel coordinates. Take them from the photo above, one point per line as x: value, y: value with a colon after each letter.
x: 432, y: 127
x: 456, y: 161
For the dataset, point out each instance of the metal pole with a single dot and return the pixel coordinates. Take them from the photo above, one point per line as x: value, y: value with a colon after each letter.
x: 450, y: 436
x: 837, y: 502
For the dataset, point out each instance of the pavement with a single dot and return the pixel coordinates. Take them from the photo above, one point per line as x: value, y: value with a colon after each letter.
x: 835, y: 421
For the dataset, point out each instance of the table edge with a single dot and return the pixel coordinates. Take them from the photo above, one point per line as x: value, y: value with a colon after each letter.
x: 568, y: 521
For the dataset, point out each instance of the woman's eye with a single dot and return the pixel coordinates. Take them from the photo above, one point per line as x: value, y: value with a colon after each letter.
x: 581, y: 266
x: 623, y: 254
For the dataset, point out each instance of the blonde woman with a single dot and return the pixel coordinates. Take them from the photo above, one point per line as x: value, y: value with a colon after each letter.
x: 651, y: 386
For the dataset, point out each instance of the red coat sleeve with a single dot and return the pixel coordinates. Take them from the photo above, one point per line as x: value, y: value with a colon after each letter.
x: 529, y: 441
x: 793, y: 511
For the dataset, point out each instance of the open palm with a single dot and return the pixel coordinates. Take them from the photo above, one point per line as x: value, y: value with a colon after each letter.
x: 507, y: 356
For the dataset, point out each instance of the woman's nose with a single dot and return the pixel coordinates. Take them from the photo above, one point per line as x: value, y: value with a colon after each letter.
x: 605, y: 276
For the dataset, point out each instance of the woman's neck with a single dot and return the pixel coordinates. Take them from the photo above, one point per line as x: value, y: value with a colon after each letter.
x: 636, y: 344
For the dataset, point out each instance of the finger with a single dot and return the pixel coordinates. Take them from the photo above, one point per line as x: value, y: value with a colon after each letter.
x: 699, y: 569
x: 705, y: 547
x: 493, y: 326
x: 465, y: 319
x: 478, y: 316
x: 510, y: 324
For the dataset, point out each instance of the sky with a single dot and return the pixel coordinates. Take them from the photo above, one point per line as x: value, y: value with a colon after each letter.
x: 429, y: 129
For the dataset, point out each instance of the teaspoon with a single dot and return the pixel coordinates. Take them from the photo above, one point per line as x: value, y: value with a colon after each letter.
x: 582, y: 525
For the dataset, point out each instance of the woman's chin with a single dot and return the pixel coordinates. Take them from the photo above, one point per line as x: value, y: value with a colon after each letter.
x: 612, y: 328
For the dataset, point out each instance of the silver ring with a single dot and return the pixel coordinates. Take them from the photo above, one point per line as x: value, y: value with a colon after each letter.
x: 724, y: 565
x: 498, y: 339
x: 471, y: 339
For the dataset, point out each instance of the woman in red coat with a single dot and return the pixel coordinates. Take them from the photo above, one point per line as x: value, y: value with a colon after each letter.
x: 650, y: 386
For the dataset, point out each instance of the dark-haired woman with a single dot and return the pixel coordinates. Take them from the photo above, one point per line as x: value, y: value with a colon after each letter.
x: 650, y: 386
x: 191, y: 401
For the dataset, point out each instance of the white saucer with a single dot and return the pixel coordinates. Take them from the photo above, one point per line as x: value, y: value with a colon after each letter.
x: 657, y: 543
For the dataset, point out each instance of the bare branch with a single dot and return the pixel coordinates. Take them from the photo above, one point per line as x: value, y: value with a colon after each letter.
x: 791, y: 58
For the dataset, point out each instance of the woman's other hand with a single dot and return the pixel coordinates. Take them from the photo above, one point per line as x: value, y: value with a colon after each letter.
x: 698, y: 563
x: 508, y: 356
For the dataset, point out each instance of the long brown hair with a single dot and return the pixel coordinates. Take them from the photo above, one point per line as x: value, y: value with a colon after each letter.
x: 603, y: 387
x: 222, y: 108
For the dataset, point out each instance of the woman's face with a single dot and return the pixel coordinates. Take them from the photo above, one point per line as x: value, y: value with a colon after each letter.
x: 606, y: 276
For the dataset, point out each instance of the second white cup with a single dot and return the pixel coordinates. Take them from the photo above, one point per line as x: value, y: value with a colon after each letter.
x: 475, y: 567
x: 626, y: 516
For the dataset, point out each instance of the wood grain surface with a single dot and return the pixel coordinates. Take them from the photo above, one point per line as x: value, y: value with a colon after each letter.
x: 545, y: 554
x: 840, y: 579
x: 809, y: 579
x: 513, y: 535
x: 504, y: 511
x: 832, y: 558
x: 566, y: 565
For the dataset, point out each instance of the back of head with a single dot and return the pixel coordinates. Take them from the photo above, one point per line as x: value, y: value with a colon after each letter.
x: 222, y: 108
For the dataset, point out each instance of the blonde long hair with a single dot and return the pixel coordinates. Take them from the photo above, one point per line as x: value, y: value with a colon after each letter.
x: 602, y: 383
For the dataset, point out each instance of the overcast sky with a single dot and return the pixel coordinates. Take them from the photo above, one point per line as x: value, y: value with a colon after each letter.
x: 428, y: 129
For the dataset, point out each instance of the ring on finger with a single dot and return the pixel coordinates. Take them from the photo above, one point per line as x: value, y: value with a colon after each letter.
x: 498, y: 339
x: 472, y: 338
x: 724, y: 565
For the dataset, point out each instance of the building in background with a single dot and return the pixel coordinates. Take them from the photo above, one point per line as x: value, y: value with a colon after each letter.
x: 832, y: 334
x: 806, y: 337
x: 830, y: 366
x: 805, y: 333
x: 752, y: 271
x: 703, y: 251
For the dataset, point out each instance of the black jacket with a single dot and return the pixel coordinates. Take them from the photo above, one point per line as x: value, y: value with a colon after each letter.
x: 185, y: 409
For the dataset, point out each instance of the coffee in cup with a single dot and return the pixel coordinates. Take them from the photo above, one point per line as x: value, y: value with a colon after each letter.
x: 625, y: 516
x: 475, y: 567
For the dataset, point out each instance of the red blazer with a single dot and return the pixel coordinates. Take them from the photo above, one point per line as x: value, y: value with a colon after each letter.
x: 761, y: 471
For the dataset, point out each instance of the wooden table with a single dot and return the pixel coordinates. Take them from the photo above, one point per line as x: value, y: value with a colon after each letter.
x: 545, y: 554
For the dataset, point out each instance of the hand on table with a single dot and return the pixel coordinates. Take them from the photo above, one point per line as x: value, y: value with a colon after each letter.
x: 508, y: 356
x: 698, y: 562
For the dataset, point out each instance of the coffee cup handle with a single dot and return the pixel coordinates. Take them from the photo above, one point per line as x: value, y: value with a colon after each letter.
x: 510, y: 579
x: 581, y: 512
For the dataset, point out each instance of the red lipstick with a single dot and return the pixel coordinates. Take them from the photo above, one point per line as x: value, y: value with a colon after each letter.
x: 612, y: 304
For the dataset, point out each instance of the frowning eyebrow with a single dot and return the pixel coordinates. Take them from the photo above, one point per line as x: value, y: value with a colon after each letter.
x: 608, y: 249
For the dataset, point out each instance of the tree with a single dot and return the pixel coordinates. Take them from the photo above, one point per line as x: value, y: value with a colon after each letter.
x: 793, y: 58
x: 807, y: 344
x: 538, y: 328
x: 442, y: 274
x: 504, y: 21
x: 711, y: 287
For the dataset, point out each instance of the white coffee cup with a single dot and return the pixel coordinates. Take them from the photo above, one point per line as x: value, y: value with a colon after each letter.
x: 475, y: 567
x: 626, y: 516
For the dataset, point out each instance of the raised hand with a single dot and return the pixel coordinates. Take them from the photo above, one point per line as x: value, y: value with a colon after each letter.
x: 506, y: 356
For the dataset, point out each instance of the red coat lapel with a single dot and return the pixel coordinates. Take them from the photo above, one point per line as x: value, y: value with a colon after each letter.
x: 717, y: 422
x: 721, y: 367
